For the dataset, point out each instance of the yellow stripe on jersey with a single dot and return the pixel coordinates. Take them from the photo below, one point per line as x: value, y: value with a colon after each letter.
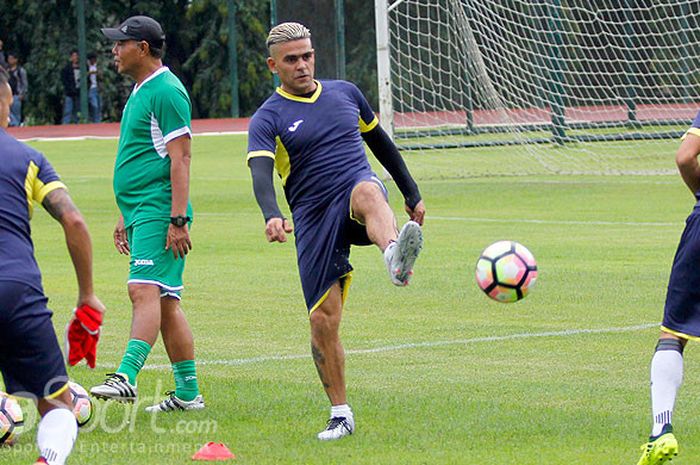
x: 693, y: 131
x: 32, y: 173
x: 679, y: 334
x: 282, y: 163
x: 46, y: 188
x: 259, y: 153
x: 345, y: 281
x: 368, y: 127
x: 35, y: 187
x: 297, y: 98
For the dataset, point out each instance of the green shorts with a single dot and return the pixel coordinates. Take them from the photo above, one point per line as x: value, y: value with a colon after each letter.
x: 150, y: 263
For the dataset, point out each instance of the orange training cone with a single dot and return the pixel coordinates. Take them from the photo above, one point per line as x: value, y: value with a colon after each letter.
x: 213, y: 451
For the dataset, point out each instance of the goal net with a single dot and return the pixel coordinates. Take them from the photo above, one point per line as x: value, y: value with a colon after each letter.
x: 569, y: 86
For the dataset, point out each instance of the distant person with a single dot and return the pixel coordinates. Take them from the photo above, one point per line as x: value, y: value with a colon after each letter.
x: 681, y: 320
x: 314, y: 133
x: 3, y: 61
x: 19, y: 85
x: 94, y: 99
x: 31, y: 361
x: 70, y: 77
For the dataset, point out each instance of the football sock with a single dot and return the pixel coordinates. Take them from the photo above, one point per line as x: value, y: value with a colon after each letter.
x: 134, y: 358
x: 56, y: 435
x: 666, y: 379
x: 342, y: 410
x: 186, y: 387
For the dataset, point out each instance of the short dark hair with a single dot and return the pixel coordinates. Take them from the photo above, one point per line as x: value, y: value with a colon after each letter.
x: 92, y: 55
x: 155, y: 51
x: 13, y: 54
x: 72, y: 51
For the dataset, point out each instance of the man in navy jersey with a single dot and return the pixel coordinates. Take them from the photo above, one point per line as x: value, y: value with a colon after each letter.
x: 681, y: 320
x: 312, y: 132
x: 30, y: 359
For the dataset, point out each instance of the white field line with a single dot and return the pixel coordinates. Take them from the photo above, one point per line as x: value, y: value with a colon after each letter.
x: 410, y: 345
x: 560, y: 222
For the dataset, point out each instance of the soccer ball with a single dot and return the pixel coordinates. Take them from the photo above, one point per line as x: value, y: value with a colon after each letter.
x: 11, y: 420
x: 82, y: 405
x: 506, y: 271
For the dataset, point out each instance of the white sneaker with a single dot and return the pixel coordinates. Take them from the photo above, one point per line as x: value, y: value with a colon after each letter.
x: 116, y: 387
x: 173, y: 403
x: 401, y: 255
x: 337, y: 428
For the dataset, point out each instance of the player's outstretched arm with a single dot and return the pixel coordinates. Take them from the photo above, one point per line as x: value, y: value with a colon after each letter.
x: 687, y: 161
x: 388, y: 155
x: 276, y: 226
x: 61, y: 207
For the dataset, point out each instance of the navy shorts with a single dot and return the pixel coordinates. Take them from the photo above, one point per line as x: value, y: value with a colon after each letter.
x: 323, y: 238
x: 31, y: 361
x: 682, y: 309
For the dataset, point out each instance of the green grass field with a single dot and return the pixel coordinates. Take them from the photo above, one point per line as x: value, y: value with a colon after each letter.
x: 437, y: 373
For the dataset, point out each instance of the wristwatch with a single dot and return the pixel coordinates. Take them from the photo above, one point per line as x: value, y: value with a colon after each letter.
x: 179, y: 220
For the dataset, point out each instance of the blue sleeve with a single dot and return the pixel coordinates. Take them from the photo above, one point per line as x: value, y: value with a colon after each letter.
x: 261, y: 136
x: 368, y: 120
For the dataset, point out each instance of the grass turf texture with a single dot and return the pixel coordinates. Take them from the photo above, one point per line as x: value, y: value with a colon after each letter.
x: 436, y: 390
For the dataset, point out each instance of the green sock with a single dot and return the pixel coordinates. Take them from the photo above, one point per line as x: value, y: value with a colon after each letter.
x: 185, y: 373
x: 135, y: 356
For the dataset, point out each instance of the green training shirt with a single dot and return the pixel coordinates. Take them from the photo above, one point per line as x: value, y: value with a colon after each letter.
x: 156, y: 112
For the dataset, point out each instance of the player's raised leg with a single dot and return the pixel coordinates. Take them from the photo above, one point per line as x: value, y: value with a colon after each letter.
x: 145, y: 324
x: 179, y: 344
x: 329, y: 358
x: 401, y: 249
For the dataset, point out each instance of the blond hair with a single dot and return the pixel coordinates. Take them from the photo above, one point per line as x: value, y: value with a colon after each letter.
x: 287, y: 32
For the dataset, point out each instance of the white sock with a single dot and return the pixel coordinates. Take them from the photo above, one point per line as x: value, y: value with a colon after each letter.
x: 389, y: 251
x: 343, y: 410
x: 666, y: 379
x: 56, y: 435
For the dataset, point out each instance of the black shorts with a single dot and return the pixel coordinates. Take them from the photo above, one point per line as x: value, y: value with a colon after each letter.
x: 31, y: 361
x: 323, y: 238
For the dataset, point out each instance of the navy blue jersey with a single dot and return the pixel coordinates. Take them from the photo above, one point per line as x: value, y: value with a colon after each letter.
x: 315, y: 141
x: 26, y: 177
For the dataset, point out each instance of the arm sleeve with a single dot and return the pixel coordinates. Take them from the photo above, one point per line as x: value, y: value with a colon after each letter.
x: 261, y: 169
x: 388, y: 155
x: 173, y: 112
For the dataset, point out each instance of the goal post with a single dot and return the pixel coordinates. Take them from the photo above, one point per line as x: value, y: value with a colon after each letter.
x: 578, y: 86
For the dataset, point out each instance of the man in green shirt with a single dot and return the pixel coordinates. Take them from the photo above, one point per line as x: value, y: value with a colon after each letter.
x: 151, y: 186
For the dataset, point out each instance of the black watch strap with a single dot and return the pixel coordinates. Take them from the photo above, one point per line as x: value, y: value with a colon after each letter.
x: 179, y: 220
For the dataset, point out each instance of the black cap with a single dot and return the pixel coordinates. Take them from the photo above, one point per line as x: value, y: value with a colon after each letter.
x: 137, y: 28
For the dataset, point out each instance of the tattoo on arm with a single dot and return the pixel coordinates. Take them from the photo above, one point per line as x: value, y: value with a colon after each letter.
x: 319, y: 361
x: 58, y: 203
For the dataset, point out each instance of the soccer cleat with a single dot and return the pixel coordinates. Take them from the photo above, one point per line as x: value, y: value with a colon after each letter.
x: 660, y: 449
x: 401, y: 255
x: 337, y: 428
x: 173, y: 403
x: 116, y: 387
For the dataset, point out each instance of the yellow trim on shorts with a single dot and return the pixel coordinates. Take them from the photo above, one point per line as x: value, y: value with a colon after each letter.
x: 693, y: 131
x: 58, y: 392
x: 679, y: 334
x: 346, y: 280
